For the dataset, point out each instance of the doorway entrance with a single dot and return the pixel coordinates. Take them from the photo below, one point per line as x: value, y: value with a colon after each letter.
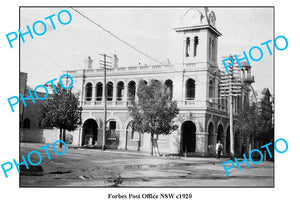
x: 188, y: 137
x: 90, y: 130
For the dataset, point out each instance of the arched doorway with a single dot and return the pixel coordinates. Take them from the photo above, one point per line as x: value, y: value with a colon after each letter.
x: 26, y: 123
x: 228, y: 140
x: 188, y: 137
x: 133, y: 138
x: 112, y: 134
x: 210, y: 141
x: 220, y: 133
x: 90, y: 131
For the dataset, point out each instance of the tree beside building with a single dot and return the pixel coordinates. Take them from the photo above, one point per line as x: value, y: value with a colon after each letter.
x: 154, y: 111
x: 255, y: 122
x: 61, y: 111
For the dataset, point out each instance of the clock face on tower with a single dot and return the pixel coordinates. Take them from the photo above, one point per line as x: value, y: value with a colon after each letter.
x: 212, y: 18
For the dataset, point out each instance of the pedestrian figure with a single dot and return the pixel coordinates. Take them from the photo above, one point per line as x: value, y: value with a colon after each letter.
x: 219, y: 149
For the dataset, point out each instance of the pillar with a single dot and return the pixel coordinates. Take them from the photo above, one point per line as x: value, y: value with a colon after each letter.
x: 122, y: 138
x: 80, y: 133
x: 215, y: 136
x: 99, y: 137
x: 94, y: 94
x: 114, y: 99
x: 125, y: 96
x: 202, y: 143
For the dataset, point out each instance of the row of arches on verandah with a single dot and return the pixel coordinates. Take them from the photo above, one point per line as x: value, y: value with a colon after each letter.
x: 224, y: 138
x: 91, y: 90
x: 188, y: 137
x: 133, y: 138
x: 90, y: 135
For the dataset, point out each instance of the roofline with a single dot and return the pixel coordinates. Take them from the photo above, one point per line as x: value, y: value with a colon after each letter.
x: 196, y: 27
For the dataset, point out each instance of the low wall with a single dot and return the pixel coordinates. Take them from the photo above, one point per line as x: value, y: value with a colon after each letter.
x: 42, y: 135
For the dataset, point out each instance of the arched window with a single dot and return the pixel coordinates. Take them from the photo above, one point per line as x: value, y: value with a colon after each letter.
x: 169, y: 88
x: 213, y: 51
x: 187, y: 47
x: 88, y: 91
x: 110, y: 91
x: 120, y: 91
x: 112, y: 126
x: 190, y: 89
x: 196, y: 42
x: 131, y: 90
x: 99, y: 91
x: 26, y: 123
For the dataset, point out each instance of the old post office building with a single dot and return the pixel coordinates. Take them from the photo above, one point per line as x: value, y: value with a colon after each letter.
x: 194, y: 84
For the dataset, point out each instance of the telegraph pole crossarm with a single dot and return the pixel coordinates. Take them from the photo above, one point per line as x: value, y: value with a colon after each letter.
x: 231, y: 87
x: 105, y: 65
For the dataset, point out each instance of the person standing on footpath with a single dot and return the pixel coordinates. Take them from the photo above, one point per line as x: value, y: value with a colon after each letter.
x: 219, y: 149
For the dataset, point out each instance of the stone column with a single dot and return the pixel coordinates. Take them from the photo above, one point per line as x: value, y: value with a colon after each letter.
x: 215, y: 137
x: 125, y: 96
x: 192, y: 47
x: 99, y: 137
x: 80, y: 132
x: 183, y: 93
x: 216, y: 100
x: 94, y: 94
x: 122, y: 138
x: 197, y: 93
x: 202, y: 143
x: 114, y: 99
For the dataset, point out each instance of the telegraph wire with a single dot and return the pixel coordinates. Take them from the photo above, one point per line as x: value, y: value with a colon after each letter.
x: 123, y: 41
x: 117, y: 37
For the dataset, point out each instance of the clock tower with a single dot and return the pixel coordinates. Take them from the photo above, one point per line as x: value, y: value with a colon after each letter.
x: 200, y: 37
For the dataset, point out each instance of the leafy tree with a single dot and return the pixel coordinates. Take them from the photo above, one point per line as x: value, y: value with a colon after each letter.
x: 154, y: 111
x: 61, y: 111
x: 266, y: 120
x: 247, y: 121
x: 255, y: 124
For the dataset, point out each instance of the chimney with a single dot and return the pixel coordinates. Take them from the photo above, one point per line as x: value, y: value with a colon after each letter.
x: 88, y: 63
x: 116, y: 60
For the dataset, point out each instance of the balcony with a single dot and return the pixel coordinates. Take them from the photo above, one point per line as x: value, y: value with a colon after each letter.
x: 101, y: 103
x: 249, y: 78
x: 202, y: 104
x: 146, y: 68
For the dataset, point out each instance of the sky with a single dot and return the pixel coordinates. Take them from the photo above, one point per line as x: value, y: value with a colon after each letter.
x: 148, y: 29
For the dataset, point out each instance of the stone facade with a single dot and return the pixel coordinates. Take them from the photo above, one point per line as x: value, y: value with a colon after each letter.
x: 194, y: 84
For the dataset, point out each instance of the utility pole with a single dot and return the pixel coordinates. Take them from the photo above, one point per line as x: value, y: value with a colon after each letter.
x: 104, y: 64
x: 231, y: 115
x: 229, y: 88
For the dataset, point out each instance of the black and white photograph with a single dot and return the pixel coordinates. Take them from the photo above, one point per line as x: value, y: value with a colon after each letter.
x: 150, y: 106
